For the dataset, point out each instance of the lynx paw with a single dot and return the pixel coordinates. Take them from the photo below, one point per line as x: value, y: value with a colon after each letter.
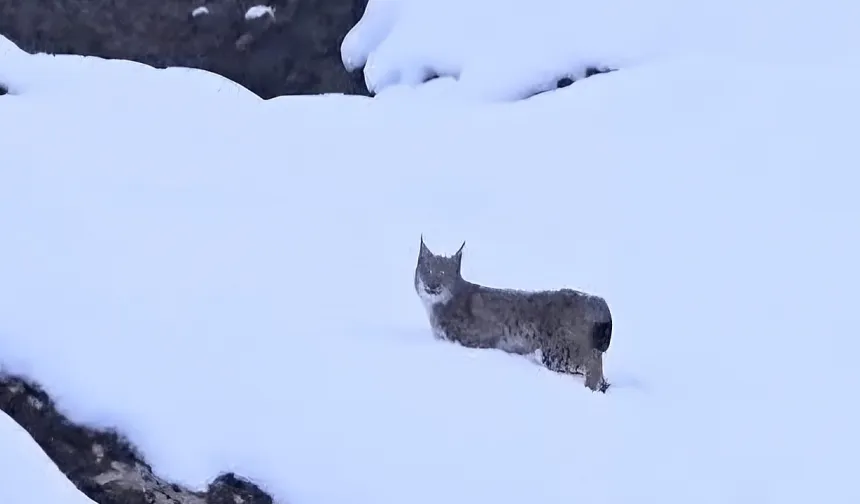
x: 604, y: 386
x: 577, y: 370
x: 600, y: 385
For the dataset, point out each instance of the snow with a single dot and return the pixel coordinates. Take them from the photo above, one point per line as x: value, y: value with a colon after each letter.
x: 259, y: 11
x: 199, y: 11
x: 64, y: 77
x: 502, y: 51
x: 374, y: 26
x: 229, y: 280
x: 28, y: 475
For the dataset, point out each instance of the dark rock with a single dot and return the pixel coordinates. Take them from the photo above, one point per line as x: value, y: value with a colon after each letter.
x: 432, y: 75
x: 564, y: 82
x: 295, y: 51
x: 102, y: 463
x: 228, y: 486
x: 589, y: 71
x: 3, y: 90
x: 567, y: 80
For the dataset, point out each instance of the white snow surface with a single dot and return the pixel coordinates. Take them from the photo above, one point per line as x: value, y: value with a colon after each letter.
x: 505, y: 50
x: 27, y: 475
x: 65, y: 77
x: 259, y: 11
x: 229, y: 280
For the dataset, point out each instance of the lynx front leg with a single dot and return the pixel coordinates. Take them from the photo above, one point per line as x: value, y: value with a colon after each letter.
x: 594, y: 378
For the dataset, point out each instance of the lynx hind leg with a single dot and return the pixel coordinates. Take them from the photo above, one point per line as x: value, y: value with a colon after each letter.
x: 594, y: 378
x: 563, y: 359
x: 556, y: 358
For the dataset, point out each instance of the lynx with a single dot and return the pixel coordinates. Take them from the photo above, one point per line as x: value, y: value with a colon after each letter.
x: 571, y: 329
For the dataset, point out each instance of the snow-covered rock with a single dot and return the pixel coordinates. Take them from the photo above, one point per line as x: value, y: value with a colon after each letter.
x: 259, y: 11
x: 163, y: 34
x: 102, y: 463
x: 200, y: 11
x: 258, y: 20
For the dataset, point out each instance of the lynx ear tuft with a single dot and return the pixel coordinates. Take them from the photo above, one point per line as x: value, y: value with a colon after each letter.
x: 424, y: 252
x: 458, y: 256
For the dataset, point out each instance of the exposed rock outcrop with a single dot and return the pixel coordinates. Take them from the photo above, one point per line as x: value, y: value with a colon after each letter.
x: 103, y: 464
x: 569, y: 79
x: 272, y: 47
x: 589, y: 71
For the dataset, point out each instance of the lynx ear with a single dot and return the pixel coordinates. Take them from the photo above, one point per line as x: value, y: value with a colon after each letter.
x: 424, y: 251
x: 458, y: 256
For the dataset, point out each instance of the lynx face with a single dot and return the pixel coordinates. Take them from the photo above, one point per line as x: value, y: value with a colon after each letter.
x: 436, y: 276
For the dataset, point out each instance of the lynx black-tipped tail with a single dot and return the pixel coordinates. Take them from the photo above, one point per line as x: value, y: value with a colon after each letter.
x: 601, y: 335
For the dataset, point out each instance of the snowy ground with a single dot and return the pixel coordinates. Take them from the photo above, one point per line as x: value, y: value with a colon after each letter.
x: 229, y: 280
x: 28, y: 475
x: 503, y: 50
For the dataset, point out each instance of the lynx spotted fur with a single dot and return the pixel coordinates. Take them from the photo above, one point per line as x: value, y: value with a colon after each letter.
x: 571, y: 329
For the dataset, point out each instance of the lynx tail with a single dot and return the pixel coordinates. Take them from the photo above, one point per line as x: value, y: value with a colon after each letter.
x: 601, y: 335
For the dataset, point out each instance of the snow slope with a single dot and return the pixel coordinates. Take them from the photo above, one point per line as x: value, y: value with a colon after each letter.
x: 28, y: 475
x: 111, y: 81
x: 229, y: 281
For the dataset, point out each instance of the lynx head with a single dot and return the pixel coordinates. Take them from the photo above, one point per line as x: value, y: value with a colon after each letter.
x: 436, y: 276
